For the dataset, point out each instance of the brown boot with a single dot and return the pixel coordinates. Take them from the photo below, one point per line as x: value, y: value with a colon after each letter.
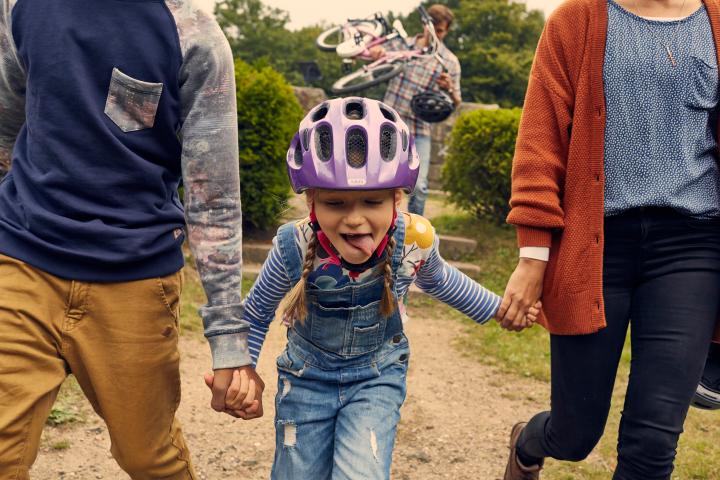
x: 515, y: 470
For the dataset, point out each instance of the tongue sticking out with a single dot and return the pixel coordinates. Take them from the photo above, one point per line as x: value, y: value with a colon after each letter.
x: 362, y: 242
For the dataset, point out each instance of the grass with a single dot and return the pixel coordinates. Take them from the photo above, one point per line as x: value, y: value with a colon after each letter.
x: 526, y: 354
x: 60, y: 445
x: 67, y: 408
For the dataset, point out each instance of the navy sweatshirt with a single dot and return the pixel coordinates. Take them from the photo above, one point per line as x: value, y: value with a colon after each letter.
x: 104, y: 106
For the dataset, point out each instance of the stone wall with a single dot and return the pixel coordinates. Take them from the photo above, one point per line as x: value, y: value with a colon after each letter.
x: 309, y: 97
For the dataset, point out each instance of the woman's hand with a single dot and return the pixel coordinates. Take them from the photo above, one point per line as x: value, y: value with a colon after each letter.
x: 523, y: 290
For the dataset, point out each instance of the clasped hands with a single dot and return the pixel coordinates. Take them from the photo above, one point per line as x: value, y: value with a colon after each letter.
x: 521, y: 302
x: 236, y: 391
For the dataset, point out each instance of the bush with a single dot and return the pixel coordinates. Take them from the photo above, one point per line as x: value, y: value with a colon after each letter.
x: 268, y: 117
x: 479, y: 162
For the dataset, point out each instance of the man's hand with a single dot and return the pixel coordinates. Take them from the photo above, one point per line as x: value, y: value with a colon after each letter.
x: 445, y: 82
x: 523, y: 290
x: 236, y: 391
x: 376, y: 52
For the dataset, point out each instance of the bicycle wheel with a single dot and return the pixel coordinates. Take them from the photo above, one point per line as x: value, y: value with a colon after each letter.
x: 367, y: 77
x: 328, y: 40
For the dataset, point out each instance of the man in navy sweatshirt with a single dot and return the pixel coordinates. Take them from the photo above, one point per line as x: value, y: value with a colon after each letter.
x: 104, y: 107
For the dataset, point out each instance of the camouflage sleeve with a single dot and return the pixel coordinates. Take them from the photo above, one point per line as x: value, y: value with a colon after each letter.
x: 12, y: 88
x: 211, y: 179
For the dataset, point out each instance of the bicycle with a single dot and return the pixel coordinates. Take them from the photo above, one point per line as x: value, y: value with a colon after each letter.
x: 356, y: 38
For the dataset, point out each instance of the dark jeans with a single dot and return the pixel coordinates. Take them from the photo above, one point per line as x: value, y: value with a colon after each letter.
x: 662, y: 271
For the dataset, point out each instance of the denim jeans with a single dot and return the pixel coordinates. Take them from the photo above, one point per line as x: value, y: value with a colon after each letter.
x: 662, y: 275
x: 337, y: 419
x: 416, y: 201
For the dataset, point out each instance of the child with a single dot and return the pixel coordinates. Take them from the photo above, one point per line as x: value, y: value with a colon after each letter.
x: 342, y: 375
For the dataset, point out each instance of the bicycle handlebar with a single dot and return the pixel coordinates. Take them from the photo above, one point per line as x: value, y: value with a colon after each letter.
x: 430, y: 25
x: 423, y: 11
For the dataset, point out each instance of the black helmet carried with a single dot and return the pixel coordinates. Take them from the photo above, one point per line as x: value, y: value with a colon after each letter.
x: 432, y: 106
x: 707, y: 395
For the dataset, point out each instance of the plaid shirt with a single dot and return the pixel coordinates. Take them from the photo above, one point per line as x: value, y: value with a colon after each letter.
x: 417, y: 77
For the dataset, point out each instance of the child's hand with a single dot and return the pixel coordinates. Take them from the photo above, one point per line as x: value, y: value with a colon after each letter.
x: 533, y: 313
x: 245, y: 394
x: 237, y: 392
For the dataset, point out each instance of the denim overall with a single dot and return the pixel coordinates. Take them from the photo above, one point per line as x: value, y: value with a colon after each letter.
x: 341, y: 379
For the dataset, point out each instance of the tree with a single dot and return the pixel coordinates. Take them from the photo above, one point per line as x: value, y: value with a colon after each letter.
x: 268, y: 117
x: 494, y: 40
x: 253, y: 30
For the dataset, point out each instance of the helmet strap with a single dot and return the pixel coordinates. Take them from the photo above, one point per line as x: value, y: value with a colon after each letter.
x: 374, y: 259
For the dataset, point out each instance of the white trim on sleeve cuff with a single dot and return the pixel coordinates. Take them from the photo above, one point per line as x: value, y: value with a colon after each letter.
x: 537, y: 253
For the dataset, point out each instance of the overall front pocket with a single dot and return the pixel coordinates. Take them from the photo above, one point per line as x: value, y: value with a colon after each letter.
x: 132, y: 104
x: 347, y: 331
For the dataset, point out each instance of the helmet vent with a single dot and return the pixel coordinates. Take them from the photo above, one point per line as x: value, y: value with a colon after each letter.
x: 387, y: 114
x: 356, y: 148
x: 324, y: 142
x: 298, y: 156
x: 320, y: 113
x: 404, y: 140
x: 388, y: 142
x: 354, y: 110
x: 306, y: 139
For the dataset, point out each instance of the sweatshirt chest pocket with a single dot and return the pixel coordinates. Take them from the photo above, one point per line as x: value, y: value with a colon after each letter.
x: 132, y: 104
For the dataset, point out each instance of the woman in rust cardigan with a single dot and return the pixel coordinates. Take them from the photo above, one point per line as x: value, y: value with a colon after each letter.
x: 616, y: 201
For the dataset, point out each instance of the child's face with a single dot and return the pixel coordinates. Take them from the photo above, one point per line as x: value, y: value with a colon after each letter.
x: 355, y: 222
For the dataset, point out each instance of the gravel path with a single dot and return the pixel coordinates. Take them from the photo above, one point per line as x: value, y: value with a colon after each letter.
x: 455, y: 420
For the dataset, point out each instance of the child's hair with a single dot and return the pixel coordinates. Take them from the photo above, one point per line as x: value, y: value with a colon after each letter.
x: 293, y: 307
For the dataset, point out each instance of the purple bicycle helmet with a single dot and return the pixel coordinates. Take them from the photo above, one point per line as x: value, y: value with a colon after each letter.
x: 352, y: 144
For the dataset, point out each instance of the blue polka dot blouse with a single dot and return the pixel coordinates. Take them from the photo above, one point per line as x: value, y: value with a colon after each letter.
x: 660, y: 145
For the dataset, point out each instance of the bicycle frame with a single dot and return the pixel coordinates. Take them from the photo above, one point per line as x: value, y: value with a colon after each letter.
x: 360, y: 40
x: 391, y: 56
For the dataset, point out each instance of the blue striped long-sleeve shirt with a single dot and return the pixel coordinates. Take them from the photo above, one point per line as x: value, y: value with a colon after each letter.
x: 421, y: 264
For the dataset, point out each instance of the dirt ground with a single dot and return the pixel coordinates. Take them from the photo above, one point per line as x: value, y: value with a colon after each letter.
x: 454, y: 424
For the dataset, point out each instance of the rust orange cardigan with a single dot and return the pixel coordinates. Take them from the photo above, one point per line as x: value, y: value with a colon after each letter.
x: 557, y: 177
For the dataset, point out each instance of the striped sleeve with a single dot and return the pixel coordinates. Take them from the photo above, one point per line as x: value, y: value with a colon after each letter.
x: 449, y: 285
x: 265, y: 295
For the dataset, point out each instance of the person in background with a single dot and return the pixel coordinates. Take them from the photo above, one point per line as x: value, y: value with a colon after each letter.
x: 417, y: 77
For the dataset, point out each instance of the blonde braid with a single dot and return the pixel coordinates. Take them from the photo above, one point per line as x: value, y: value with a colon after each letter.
x: 293, y: 305
x: 388, y: 304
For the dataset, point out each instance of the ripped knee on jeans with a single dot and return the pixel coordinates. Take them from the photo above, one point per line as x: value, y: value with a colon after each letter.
x: 289, y: 432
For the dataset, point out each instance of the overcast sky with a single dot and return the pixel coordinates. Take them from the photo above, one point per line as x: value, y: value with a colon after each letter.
x: 310, y: 12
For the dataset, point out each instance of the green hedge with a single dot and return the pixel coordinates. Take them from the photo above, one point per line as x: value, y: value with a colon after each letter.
x: 268, y: 117
x: 477, y: 169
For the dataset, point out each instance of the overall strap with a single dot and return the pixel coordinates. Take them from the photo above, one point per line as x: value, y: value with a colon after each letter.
x: 399, y: 236
x: 290, y: 251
